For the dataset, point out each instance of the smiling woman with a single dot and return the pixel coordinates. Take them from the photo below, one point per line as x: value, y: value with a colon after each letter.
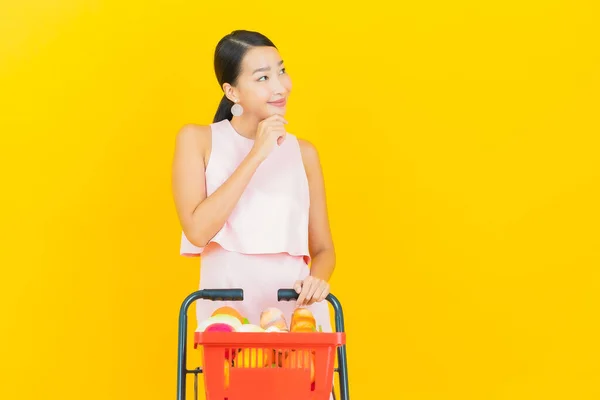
x: 249, y: 195
x: 252, y: 75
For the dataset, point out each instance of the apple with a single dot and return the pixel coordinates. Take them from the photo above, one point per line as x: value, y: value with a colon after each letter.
x: 221, y: 318
x: 219, y: 327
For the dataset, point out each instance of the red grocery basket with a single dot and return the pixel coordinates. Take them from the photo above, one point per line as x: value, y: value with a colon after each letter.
x: 265, y: 365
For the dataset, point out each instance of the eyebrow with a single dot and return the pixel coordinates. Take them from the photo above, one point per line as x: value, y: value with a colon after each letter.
x: 264, y: 69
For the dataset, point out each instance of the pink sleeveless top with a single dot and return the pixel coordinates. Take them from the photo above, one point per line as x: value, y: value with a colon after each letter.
x: 271, y: 216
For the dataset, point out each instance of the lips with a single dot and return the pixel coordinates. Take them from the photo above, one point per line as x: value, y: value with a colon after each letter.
x: 279, y: 103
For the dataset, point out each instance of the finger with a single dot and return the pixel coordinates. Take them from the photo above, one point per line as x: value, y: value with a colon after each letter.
x: 268, y: 124
x: 304, y: 291
x: 275, y: 123
x: 321, y: 292
x: 281, y: 138
x: 318, y: 293
x: 312, y: 299
x: 311, y: 291
x: 281, y: 118
x: 325, y: 292
x: 276, y: 117
x: 298, y: 286
x: 278, y: 132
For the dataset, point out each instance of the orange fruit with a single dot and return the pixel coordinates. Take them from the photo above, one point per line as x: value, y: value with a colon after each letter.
x: 229, y: 311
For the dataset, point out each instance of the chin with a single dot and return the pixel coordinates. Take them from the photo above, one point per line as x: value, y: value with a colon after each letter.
x: 277, y: 110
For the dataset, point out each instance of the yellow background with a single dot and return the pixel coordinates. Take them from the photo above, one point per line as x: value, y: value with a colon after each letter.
x: 460, y: 146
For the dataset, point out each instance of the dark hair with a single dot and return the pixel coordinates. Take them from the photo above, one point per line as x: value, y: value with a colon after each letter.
x: 229, y: 53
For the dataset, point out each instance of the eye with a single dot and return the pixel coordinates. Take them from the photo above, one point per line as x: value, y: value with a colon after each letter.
x: 265, y: 77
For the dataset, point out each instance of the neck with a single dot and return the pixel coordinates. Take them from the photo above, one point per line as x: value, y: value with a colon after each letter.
x: 245, y: 125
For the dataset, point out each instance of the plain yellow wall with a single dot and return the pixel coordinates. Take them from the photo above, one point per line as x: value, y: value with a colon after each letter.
x: 460, y: 147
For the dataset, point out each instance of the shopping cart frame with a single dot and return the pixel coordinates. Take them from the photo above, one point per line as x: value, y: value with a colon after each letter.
x: 238, y: 295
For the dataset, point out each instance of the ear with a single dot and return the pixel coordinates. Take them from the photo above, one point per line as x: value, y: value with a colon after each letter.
x: 230, y: 92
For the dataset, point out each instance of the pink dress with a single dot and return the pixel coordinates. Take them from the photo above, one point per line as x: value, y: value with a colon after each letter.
x: 263, y: 246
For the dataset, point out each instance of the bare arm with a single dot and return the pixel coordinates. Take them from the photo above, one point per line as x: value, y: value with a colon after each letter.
x: 316, y: 286
x: 319, y: 233
x: 201, y: 217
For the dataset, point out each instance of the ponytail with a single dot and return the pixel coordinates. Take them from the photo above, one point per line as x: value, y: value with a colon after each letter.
x: 224, y: 110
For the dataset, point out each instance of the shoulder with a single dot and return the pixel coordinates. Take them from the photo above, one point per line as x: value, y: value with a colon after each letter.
x: 193, y: 140
x: 194, y: 137
x: 310, y: 155
x: 309, y: 150
x: 193, y: 133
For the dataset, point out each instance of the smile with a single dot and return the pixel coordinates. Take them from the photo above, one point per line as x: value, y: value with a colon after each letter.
x: 279, y: 103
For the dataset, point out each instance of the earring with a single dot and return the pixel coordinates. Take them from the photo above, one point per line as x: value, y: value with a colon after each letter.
x: 237, y: 109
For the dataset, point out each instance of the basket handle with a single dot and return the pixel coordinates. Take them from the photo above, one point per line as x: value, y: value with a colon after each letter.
x: 222, y: 294
x: 287, y: 295
x: 205, y: 294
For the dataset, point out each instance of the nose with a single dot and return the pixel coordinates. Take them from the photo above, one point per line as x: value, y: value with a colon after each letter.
x: 277, y: 87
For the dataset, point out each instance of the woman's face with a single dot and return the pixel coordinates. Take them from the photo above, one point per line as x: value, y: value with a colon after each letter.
x: 263, y: 86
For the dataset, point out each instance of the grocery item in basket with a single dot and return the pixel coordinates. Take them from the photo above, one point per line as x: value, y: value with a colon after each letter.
x: 250, y: 328
x: 273, y: 328
x: 303, y: 320
x: 219, y: 327
x: 273, y: 317
x: 226, y: 372
x: 226, y: 310
x: 251, y: 358
x: 220, y: 319
x: 302, y: 359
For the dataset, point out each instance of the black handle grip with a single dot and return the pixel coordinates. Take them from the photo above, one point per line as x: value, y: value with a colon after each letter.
x: 222, y: 294
x: 287, y: 295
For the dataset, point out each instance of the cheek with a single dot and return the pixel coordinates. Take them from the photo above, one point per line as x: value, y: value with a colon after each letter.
x: 256, y: 101
x: 253, y: 92
x: 261, y: 94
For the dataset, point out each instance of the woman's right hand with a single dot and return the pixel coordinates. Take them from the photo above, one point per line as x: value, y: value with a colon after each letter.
x: 271, y: 131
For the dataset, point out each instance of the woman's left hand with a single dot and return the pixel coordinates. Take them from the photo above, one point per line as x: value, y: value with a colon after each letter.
x: 311, y: 290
